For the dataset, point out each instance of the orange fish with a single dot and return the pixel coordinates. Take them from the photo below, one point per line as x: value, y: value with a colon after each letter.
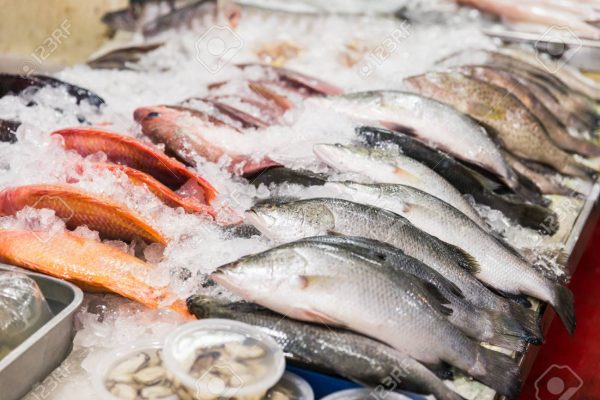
x: 182, y: 134
x: 135, y: 154
x: 76, y: 207
x: 167, y: 196
x: 86, y: 262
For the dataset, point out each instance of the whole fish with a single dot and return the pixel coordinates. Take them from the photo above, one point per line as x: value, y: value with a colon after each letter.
x: 87, y: 263
x: 557, y: 132
x: 494, y: 327
x: 304, y: 218
x: 280, y: 175
x: 550, y: 90
x: 78, y: 207
x: 497, y: 265
x: 183, y: 135
x: 535, y: 14
x: 15, y: 84
x: 547, y: 183
x: 190, y: 204
x: 465, y: 179
x: 309, y: 282
x: 342, y: 352
x: 518, y: 130
x: 135, y: 154
x: 386, y: 167
x: 432, y: 122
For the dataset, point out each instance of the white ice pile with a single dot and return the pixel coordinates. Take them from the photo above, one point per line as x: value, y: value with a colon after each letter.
x: 344, y: 51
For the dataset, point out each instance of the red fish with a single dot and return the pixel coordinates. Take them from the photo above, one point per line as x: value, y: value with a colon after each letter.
x: 183, y: 135
x: 135, y: 154
x: 77, y: 207
x: 88, y: 263
x: 172, y: 199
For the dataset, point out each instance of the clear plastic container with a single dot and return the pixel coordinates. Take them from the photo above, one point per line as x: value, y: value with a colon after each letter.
x: 291, y: 387
x: 137, y: 372
x: 364, y: 394
x: 220, y: 358
x: 23, y: 309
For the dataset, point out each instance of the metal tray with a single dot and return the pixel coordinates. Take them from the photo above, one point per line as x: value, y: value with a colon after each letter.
x: 35, y: 358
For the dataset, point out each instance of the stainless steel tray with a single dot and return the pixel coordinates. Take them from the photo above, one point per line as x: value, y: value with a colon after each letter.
x: 35, y: 358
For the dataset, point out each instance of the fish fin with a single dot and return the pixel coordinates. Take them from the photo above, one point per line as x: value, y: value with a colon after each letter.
x: 530, y: 322
x: 318, y: 317
x: 508, y: 332
x: 464, y: 259
x: 500, y: 372
x: 515, y: 297
x: 562, y: 257
x: 487, y: 183
x: 438, y: 299
x: 563, y: 304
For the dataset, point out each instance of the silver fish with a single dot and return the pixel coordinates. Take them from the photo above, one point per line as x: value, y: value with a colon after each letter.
x: 431, y: 121
x: 333, y: 286
x: 386, y: 167
x: 355, y: 357
x: 496, y: 265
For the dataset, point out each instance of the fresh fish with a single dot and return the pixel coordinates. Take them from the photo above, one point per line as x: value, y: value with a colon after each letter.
x: 547, y: 183
x: 526, y: 12
x: 280, y: 175
x: 344, y: 353
x: 309, y: 84
x: 77, y: 207
x: 15, y: 84
x: 181, y: 17
x: 135, y: 154
x: 496, y: 265
x: 555, y: 129
x: 432, y: 122
x: 571, y: 76
x: 173, y: 199
x: 307, y: 282
x: 466, y: 180
x: 88, y: 263
x: 387, y: 167
x: 183, y: 135
x: 8, y: 130
x: 300, y: 219
x: 494, y: 327
x: 518, y: 130
x: 23, y: 309
x: 122, y: 57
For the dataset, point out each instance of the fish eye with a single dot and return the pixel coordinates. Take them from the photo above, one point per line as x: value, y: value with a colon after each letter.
x: 152, y: 114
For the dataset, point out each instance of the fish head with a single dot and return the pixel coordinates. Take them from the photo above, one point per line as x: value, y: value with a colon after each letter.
x: 261, y: 278
x: 292, y: 220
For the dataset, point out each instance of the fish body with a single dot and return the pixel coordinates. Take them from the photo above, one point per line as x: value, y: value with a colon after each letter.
x: 546, y: 182
x: 307, y: 282
x: 519, y: 131
x: 86, y: 262
x: 77, y: 208
x: 135, y: 154
x: 342, y: 352
x: 387, y: 167
x: 182, y: 134
x: 556, y: 130
x: 172, y: 199
x: 432, y: 122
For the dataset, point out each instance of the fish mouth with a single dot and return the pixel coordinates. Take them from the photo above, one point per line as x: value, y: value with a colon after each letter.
x: 326, y: 153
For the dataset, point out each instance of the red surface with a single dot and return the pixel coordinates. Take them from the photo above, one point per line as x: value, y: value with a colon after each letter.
x: 581, y: 352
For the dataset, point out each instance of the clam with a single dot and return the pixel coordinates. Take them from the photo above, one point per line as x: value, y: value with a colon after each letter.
x: 123, y: 391
x: 150, y: 376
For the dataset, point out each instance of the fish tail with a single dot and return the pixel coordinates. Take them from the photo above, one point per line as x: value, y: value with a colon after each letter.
x: 563, y: 303
x: 577, y: 169
x: 497, y: 371
x: 529, y: 321
x: 507, y: 332
x: 426, y: 381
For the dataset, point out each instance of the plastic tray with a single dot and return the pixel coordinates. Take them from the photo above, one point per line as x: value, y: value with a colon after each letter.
x: 35, y: 358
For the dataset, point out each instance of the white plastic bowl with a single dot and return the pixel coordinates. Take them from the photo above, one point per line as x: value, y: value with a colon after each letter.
x: 362, y: 394
x: 182, y: 345
x: 295, y: 384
